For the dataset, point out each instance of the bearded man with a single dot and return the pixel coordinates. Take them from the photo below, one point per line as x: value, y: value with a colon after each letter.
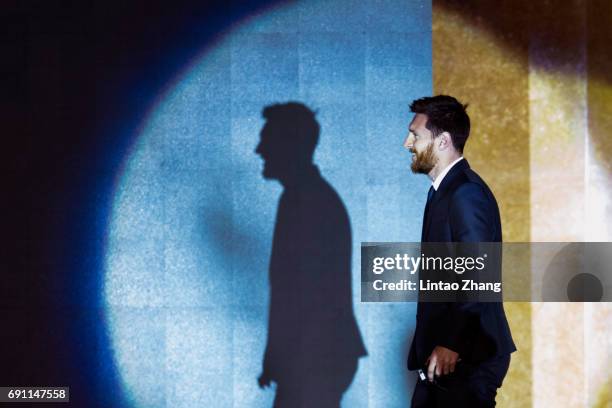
x: 463, y: 347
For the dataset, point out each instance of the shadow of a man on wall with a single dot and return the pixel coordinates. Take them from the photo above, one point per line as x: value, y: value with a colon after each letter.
x: 313, y: 341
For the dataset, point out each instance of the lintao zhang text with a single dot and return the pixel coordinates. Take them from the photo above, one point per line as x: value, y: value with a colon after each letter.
x: 440, y: 286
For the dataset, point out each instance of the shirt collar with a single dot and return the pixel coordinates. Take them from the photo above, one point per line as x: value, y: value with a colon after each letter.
x: 436, y: 183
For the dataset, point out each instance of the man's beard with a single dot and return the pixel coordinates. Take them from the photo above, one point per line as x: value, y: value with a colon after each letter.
x: 423, y: 162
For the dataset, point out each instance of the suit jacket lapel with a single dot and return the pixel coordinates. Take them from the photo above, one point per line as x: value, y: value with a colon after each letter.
x: 443, y: 188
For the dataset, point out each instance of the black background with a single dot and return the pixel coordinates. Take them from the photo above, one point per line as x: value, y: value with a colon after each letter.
x: 77, y: 79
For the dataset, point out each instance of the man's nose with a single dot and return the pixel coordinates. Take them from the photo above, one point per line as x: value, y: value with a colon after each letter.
x: 409, y: 142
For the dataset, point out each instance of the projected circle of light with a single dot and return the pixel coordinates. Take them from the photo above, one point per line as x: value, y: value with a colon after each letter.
x: 188, y: 244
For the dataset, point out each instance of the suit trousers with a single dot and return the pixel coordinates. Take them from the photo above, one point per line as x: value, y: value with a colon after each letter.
x: 468, y: 386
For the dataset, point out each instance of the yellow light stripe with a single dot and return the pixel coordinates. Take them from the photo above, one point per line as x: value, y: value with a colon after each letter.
x: 471, y: 65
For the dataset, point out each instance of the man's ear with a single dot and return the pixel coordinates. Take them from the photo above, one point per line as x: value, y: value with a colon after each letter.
x: 445, y: 141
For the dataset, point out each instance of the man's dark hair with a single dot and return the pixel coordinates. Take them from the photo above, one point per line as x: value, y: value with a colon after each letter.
x: 298, y: 124
x: 445, y: 114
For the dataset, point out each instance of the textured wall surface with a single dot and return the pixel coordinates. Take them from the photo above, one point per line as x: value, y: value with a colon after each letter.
x: 189, y: 243
x: 186, y: 279
x: 538, y: 77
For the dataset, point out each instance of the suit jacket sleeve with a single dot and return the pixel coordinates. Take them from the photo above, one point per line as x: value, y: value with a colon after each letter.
x: 471, y: 220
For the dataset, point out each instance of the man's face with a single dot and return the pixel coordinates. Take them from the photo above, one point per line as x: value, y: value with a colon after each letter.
x: 274, y: 151
x: 421, y: 144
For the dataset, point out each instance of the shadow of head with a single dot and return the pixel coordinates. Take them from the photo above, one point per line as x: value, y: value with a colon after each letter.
x: 287, y: 140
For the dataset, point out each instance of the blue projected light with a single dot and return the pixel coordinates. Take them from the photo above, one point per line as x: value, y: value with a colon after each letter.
x: 186, y: 284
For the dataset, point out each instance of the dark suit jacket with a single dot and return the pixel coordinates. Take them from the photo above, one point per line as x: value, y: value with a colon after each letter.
x: 463, y: 209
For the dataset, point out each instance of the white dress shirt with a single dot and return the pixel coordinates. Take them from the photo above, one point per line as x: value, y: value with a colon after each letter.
x: 436, y: 183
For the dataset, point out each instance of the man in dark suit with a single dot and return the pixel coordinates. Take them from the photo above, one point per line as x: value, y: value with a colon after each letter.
x: 313, y: 339
x: 463, y: 347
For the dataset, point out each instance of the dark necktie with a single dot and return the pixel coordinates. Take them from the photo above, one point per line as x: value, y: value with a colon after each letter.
x: 430, y: 194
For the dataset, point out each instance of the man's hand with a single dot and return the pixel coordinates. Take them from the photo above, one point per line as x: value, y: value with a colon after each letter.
x: 441, y: 361
x: 264, y: 380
